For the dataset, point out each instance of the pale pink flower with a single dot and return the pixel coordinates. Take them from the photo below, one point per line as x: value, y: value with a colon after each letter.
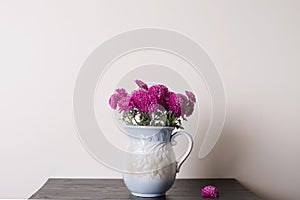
x: 113, y: 101
x: 191, y: 96
x: 125, y: 105
x: 189, y: 108
x: 115, y: 98
x: 121, y: 92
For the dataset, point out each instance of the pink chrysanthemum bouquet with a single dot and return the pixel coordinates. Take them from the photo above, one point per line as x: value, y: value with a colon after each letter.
x: 153, y: 106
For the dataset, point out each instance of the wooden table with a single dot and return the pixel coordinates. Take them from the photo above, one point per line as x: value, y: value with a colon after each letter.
x: 183, y: 189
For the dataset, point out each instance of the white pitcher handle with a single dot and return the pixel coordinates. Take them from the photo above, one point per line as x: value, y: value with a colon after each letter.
x: 189, y: 148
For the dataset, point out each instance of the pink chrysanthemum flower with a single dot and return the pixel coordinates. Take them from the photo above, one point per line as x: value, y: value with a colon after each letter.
x: 191, y: 96
x: 158, y: 94
x: 183, y: 102
x: 113, y: 101
x: 176, y: 104
x: 115, y: 98
x: 125, y: 105
x: 189, y: 108
x: 210, y: 191
x: 140, y: 100
x: 141, y: 84
x: 121, y: 92
x: 183, y: 97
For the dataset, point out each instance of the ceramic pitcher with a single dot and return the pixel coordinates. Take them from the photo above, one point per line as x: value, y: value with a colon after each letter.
x: 152, y: 164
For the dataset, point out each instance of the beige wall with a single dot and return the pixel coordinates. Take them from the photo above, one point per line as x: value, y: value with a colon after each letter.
x: 254, y: 44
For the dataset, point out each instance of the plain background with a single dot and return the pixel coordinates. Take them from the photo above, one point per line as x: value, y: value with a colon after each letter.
x: 254, y: 44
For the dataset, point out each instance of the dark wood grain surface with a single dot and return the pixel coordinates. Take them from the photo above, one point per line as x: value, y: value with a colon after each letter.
x: 183, y: 189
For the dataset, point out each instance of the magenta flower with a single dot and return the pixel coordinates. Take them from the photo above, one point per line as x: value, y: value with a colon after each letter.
x: 158, y: 90
x: 141, y: 84
x: 191, y: 96
x: 176, y: 104
x: 158, y: 95
x: 210, y: 191
x: 140, y: 100
x: 180, y: 105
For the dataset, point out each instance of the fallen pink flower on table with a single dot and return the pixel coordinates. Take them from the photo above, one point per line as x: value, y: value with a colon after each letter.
x: 210, y: 191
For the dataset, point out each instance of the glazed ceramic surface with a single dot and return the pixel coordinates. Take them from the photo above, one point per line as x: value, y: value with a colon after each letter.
x: 152, y: 166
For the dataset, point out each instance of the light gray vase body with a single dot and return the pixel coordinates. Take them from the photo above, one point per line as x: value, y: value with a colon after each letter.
x: 152, y: 166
